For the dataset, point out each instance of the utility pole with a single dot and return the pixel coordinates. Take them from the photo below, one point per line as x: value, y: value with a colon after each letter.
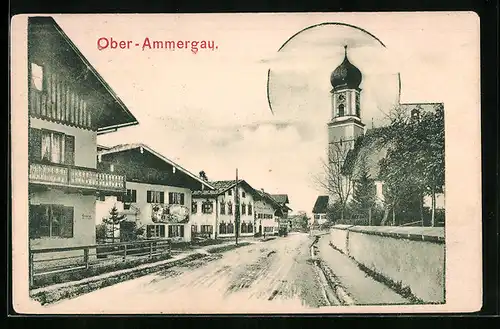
x: 237, y: 210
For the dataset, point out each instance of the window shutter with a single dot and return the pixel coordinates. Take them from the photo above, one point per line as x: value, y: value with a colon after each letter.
x: 162, y: 197
x: 69, y: 150
x: 67, y: 222
x: 170, y: 198
x: 148, y: 197
x: 182, y: 198
x: 35, y: 144
x: 181, y: 230
x: 170, y: 231
x: 162, y: 231
x: 134, y: 196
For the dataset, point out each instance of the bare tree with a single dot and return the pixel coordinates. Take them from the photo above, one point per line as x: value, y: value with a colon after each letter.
x: 334, y: 180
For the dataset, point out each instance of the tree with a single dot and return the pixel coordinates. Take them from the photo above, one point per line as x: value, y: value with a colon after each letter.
x: 335, y: 180
x: 414, y: 164
x: 114, y: 219
x: 364, y: 194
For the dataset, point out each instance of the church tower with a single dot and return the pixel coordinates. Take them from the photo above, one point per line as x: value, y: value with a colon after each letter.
x: 345, y: 124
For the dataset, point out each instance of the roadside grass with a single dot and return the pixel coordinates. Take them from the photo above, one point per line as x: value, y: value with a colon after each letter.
x: 228, y: 247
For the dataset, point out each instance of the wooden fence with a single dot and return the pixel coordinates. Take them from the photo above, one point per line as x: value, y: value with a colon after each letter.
x: 47, y: 261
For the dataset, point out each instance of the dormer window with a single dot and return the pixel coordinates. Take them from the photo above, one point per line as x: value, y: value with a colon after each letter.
x: 37, y: 76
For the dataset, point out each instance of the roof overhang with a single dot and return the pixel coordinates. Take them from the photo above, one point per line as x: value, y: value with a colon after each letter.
x: 129, y: 147
x: 49, y: 44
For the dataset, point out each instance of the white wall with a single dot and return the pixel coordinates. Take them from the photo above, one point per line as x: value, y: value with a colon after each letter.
x: 419, y: 265
x: 215, y: 217
x: 83, y: 220
x: 85, y: 141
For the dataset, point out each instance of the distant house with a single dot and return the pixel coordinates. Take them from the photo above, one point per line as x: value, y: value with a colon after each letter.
x: 320, y: 210
x: 158, y: 191
x: 214, y: 210
x: 69, y: 105
x: 283, y: 201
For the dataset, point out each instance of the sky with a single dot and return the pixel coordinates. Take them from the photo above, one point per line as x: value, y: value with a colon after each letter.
x: 209, y: 111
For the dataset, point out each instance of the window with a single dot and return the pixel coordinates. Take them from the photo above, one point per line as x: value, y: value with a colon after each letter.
x: 249, y: 209
x: 358, y: 106
x: 341, y: 108
x: 243, y: 227
x: 207, y: 229
x: 415, y: 114
x: 131, y: 196
x: 51, y: 146
x: 230, y: 228
x: 51, y: 221
x: 222, y: 228
x: 249, y: 228
x: 222, y: 208
x: 37, y: 76
x: 194, y: 207
x: 176, y: 231
x: 194, y: 228
x: 230, y: 192
x: 268, y: 229
x: 243, y: 209
x: 207, y: 207
x: 176, y: 198
x: 155, y: 231
x: 229, y: 208
x: 316, y: 216
x: 155, y: 197
x: 243, y: 194
x: 101, y: 197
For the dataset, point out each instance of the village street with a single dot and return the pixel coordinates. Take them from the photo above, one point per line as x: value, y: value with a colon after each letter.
x: 273, y: 275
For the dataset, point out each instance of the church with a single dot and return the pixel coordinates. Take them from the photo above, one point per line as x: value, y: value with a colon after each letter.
x: 348, y: 154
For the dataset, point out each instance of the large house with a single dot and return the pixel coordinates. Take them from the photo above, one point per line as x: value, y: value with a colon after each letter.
x: 214, y: 211
x: 70, y: 104
x: 158, y: 191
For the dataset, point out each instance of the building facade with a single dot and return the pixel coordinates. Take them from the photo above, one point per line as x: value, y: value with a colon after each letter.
x: 320, y: 210
x: 158, y: 193
x: 268, y: 214
x: 214, y: 211
x: 70, y: 104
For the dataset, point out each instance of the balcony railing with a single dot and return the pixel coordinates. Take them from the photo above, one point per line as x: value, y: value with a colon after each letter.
x: 55, y: 174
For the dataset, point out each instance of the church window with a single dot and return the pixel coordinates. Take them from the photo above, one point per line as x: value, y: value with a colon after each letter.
x: 415, y: 114
x: 341, y: 110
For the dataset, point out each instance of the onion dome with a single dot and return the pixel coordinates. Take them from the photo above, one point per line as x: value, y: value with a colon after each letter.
x: 346, y: 75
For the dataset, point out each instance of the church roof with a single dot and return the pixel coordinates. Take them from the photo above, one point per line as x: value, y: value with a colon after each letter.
x: 367, y: 153
x: 321, y: 204
x: 346, y: 75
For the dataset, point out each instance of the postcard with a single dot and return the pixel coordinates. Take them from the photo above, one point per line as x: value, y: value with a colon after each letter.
x: 258, y: 163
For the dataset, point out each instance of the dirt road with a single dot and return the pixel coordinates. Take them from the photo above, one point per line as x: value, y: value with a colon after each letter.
x: 272, y: 276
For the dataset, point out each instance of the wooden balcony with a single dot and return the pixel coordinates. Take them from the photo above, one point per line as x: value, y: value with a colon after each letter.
x: 75, y: 177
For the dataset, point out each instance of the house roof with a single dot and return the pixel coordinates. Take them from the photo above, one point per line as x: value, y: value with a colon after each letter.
x: 280, y: 198
x: 222, y: 186
x: 321, y: 204
x: 113, y: 113
x: 127, y: 147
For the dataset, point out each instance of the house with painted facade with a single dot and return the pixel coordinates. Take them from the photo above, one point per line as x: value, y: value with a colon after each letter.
x: 214, y: 211
x: 158, y: 195
x: 69, y: 105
